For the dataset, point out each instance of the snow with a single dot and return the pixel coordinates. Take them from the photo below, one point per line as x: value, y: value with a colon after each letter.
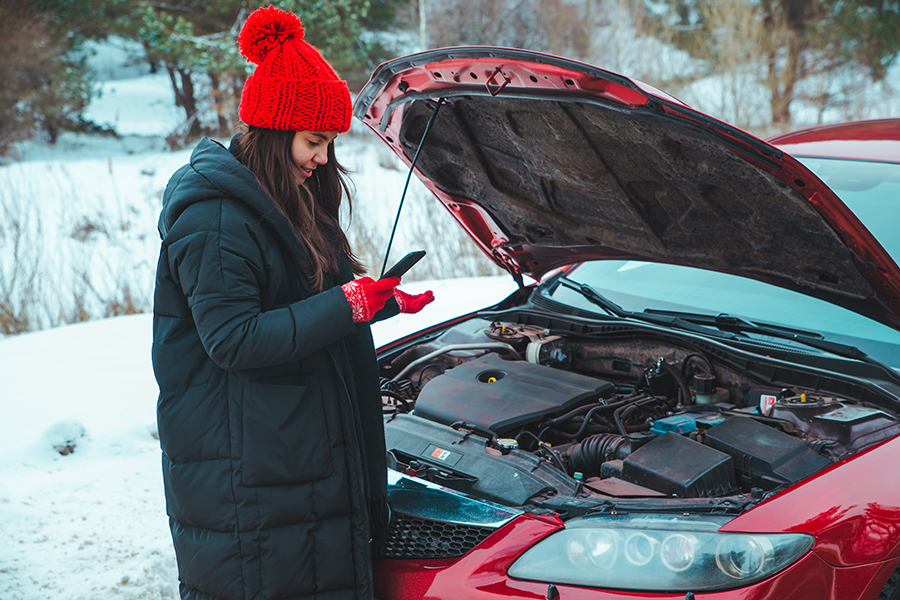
x: 88, y: 208
x: 137, y: 106
x: 91, y: 523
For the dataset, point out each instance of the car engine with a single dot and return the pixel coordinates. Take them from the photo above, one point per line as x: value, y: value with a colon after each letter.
x: 567, y: 419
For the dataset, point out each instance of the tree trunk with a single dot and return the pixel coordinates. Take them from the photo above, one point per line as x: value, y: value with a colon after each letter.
x: 179, y: 98
x: 190, y: 104
x: 422, y: 28
x: 219, y: 96
x: 782, y: 81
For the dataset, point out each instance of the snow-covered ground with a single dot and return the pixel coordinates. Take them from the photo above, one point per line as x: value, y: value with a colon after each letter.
x: 91, y: 524
x: 85, y: 210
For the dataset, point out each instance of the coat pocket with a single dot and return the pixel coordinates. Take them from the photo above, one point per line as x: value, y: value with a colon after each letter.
x: 285, y: 437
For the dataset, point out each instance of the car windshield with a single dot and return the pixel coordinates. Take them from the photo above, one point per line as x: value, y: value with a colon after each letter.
x: 871, y: 190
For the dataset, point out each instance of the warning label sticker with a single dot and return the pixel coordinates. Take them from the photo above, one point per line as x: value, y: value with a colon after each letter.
x: 440, y: 454
x: 447, y: 457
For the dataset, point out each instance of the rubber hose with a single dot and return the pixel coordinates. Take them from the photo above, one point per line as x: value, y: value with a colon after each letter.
x: 595, y: 450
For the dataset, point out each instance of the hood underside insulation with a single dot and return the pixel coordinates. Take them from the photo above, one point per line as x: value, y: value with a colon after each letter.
x: 585, y: 173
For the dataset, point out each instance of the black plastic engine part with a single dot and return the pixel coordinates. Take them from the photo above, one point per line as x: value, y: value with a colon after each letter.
x: 501, y: 396
x: 661, y: 383
x: 611, y: 468
x: 587, y: 456
x: 619, y: 488
x: 459, y: 461
x: 677, y: 466
x: 851, y: 427
x: 765, y: 457
x: 419, y: 537
x: 703, y: 383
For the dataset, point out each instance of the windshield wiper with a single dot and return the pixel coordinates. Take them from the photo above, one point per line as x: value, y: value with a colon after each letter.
x: 730, y: 322
x: 812, y: 339
x: 657, y: 319
x: 728, y: 327
x: 588, y: 292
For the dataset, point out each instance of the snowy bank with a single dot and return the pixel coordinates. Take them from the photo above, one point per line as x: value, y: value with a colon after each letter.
x: 91, y: 524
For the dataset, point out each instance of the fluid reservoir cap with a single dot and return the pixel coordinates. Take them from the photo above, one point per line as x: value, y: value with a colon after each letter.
x: 704, y: 383
x: 507, y: 444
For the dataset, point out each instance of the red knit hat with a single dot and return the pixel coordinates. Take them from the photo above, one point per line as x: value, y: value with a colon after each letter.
x: 293, y: 88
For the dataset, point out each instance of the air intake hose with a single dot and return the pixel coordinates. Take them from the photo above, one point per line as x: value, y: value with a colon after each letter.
x: 587, y: 456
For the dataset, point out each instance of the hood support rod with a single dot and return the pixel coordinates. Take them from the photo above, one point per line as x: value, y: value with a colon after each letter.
x: 406, y: 187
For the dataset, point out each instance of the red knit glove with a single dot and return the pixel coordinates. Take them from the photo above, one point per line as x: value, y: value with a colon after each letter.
x: 367, y: 296
x: 413, y: 303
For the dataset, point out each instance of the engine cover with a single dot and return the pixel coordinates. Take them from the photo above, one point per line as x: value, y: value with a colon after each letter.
x: 500, y: 396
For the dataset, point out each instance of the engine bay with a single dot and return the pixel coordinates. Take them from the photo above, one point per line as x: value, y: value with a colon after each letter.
x: 528, y: 413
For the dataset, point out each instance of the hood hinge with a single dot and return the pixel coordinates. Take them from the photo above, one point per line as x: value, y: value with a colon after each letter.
x: 507, y: 264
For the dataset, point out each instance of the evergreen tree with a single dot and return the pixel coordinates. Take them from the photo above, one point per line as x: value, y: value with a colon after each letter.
x: 196, y: 42
x: 794, y: 38
x: 45, y: 89
x: 867, y: 32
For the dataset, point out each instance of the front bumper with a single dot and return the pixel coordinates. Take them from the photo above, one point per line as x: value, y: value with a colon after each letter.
x: 481, y: 575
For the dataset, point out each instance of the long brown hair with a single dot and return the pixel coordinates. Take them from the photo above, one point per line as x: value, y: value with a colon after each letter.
x: 312, y: 208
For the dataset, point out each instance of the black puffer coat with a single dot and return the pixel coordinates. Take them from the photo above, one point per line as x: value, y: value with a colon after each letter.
x: 269, y: 412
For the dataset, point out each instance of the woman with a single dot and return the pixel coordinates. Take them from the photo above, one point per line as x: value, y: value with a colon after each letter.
x: 269, y: 411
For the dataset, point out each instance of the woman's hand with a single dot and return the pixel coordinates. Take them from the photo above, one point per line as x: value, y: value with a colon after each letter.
x: 413, y: 303
x: 367, y: 296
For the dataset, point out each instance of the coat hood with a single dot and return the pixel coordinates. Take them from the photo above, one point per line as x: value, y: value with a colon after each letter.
x: 547, y: 162
x: 214, y: 173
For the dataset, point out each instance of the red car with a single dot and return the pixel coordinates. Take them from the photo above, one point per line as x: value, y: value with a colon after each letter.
x: 699, y: 399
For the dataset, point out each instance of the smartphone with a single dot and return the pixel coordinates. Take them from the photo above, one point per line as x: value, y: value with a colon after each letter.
x: 404, y: 265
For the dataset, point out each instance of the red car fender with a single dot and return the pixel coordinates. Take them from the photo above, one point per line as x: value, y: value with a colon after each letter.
x: 482, y: 570
x: 481, y: 575
x: 852, y: 508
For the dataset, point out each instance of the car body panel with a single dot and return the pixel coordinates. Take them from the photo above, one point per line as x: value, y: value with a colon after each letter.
x: 876, y: 140
x: 866, y: 515
x: 548, y: 163
x: 849, y: 507
x: 481, y: 575
x: 539, y: 186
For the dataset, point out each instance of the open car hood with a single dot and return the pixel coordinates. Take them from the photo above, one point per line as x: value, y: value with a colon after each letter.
x: 547, y: 162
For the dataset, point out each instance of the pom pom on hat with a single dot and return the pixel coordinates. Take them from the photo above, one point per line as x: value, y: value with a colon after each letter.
x: 293, y: 87
x: 266, y: 29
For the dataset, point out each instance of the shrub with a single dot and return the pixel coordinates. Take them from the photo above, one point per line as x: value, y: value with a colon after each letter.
x: 44, y: 89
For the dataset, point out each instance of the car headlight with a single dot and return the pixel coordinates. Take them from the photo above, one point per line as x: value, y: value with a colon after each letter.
x: 658, y: 553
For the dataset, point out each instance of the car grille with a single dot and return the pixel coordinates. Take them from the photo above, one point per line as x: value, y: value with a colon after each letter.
x: 418, y: 537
